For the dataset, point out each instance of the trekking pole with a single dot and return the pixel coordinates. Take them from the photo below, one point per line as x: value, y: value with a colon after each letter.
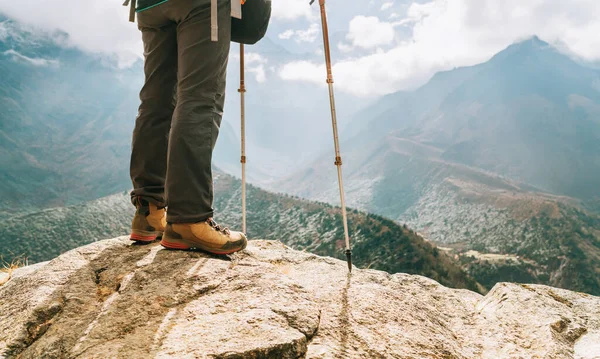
x: 242, y: 90
x: 338, y: 157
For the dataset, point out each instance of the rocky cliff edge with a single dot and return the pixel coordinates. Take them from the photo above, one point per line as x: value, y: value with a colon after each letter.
x: 114, y: 299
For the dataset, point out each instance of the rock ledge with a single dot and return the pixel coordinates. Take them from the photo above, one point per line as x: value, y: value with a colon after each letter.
x: 113, y: 299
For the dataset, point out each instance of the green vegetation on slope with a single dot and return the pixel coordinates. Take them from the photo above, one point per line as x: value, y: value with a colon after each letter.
x: 378, y: 243
x: 316, y: 227
x: 547, y: 239
x: 565, y: 252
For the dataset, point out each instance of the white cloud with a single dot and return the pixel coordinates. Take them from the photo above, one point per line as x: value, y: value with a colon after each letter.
x: 386, y: 5
x: 287, y: 34
x: 366, y: 76
x: 435, y: 36
x: 35, y: 61
x: 259, y: 73
x: 94, y: 26
x: 345, y: 47
x: 308, y: 35
x: 451, y: 33
x: 369, y: 32
x: 417, y: 11
x: 292, y: 9
x: 254, y: 58
x: 102, y: 26
x: 254, y: 64
x: 303, y: 71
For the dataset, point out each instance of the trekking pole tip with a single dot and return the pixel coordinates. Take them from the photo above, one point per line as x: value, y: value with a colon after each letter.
x: 349, y: 259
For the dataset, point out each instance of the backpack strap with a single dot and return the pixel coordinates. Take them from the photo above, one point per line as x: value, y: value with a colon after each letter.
x: 131, y: 3
x: 214, y: 26
x: 236, y: 8
x: 236, y: 11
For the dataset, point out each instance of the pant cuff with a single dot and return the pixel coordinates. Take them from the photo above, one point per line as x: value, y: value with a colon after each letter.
x: 153, y: 200
x: 189, y: 218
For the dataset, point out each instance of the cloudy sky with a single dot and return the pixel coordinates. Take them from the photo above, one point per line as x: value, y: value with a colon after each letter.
x: 381, y: 46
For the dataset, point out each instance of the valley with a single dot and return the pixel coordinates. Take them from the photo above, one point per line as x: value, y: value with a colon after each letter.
x: 480, y: 159
x: 378, y: 243
x: 497, y: 163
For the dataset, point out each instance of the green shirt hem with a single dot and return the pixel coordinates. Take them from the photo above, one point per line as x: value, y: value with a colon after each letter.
x: 151, y: 6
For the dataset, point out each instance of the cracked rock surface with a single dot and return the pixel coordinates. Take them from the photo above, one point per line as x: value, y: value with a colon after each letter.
x: 114, y: 299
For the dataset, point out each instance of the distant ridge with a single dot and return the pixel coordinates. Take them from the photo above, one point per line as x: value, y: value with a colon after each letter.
x: 502, y: 157
x: 311, y: 226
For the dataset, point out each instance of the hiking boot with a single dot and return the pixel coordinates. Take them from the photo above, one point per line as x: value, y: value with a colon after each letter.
x: 148, y: 223
x: 207, y: 236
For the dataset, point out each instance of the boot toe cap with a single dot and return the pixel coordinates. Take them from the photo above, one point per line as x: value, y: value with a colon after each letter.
x: 237, y: 244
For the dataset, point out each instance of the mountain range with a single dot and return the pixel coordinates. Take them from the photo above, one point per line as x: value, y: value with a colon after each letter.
x: 499, y: 158
x: 66, y: 121
x: 67, y: 118
x: 497, y: 163
x: 62, y: 122
x: 530, y: 114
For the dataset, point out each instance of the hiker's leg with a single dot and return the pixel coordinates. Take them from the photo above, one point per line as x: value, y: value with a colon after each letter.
x: 202, y: 67
x: 150, y: 136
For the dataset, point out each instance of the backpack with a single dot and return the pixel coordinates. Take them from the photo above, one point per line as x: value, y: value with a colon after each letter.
x: 248, y: 30
x: 254, y: 22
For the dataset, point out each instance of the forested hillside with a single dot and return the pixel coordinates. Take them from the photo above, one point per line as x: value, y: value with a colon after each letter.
x: 378, y: 243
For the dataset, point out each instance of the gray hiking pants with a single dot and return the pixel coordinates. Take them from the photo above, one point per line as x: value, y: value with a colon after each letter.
x: 181, y: 107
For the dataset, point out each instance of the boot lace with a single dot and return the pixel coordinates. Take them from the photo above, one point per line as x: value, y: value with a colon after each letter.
x: 219, y: 228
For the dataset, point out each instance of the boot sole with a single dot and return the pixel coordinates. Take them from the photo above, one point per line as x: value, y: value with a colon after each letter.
x: 178, y: 244
x: 144, y: 236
